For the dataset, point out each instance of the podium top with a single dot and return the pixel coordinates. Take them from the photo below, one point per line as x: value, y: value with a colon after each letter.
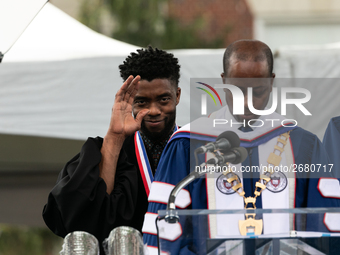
x: 316, y: 210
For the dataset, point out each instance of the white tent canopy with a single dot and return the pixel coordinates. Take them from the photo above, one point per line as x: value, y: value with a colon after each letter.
x: 15, y: 17
x: 57, y: 87
x: 60, y: 78
x: 308, y: 61
x: 316, y: 68
x: 53, y: 35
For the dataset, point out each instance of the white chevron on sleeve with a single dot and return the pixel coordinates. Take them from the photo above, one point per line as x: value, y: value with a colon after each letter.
x: 160, y: 192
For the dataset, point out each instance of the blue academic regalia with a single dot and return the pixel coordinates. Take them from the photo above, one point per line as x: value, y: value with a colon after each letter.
x: 331, y: 141
x: 177, y: 162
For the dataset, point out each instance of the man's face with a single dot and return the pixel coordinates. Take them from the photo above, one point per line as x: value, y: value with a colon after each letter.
x: 244, y: 74
x: 160, y: 97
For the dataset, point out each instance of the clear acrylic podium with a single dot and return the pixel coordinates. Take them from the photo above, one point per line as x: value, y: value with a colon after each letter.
x: 309, y: 231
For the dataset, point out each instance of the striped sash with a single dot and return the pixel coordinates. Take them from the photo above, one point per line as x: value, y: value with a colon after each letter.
x: 143, y: 161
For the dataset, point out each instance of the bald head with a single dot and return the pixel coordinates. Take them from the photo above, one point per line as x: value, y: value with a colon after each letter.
x: 248, y: 50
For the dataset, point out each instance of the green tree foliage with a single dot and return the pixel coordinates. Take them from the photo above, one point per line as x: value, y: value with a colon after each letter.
x: 90, y: 13
x: 27, y: 241
x: 144, y: 22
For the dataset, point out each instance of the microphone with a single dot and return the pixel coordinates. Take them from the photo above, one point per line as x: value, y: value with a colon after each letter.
x: 124, y: 240
x: 234, y: 156
x: 224, y: 142
x: 80, y: 242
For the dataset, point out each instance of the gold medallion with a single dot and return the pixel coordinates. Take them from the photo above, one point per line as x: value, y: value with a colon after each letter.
x: 250, y: 226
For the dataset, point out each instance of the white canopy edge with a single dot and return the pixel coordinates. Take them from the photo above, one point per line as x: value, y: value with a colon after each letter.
x: 197, y: 52
x: 53, y: 35
x: 15, y: 16
x: 308, y: 50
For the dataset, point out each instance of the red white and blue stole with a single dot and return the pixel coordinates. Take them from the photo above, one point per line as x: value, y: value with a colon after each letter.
x: 143, y: 162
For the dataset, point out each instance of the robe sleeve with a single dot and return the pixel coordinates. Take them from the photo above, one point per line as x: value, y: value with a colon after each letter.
x: 175, y: 164
x: 331, y: 141
x: 311, y: 154
x: 79, y: 201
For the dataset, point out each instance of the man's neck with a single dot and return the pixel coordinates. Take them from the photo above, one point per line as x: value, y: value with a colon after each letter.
x: 162, y: 138
x: 155, y: 148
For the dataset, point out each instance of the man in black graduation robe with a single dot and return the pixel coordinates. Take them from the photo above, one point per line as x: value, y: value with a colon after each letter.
x: 107, y: 183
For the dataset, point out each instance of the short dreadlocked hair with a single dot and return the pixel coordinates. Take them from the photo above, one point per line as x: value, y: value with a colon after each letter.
x: 151, y: 63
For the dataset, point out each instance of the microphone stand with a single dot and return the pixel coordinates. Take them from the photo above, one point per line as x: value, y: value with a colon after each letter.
x: 237, y: 155
x: 171, y: 216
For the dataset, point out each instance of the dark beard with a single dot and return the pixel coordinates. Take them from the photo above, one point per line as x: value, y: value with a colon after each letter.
x: 159, y: 136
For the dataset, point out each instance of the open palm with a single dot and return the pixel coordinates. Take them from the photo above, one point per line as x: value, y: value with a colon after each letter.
x: 122, y: 122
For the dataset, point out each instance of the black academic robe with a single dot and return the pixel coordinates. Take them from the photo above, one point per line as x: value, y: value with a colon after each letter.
x: 79, y: 201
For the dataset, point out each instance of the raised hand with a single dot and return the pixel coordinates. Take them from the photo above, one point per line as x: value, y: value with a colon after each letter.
x: 122, y: 122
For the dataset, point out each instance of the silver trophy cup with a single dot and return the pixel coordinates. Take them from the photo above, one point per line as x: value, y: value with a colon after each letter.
x: 124, y: 240
x: 80, y: 243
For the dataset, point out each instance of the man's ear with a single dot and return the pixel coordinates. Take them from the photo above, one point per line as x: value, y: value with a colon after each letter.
x: 272, y: 81
x: 223, y: 77
x: 178, y: 95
